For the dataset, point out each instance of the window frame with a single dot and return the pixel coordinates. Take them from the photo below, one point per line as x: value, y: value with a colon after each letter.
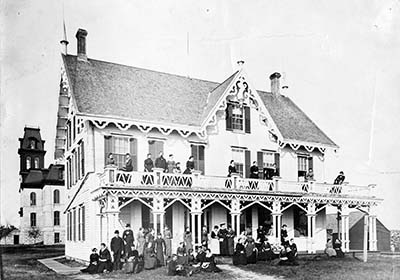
x: 239, y: 165
x: 36, y: 162
x: 56, y: 218
x: 33, y: 219
x: 32, y: 199
x: 57, y: 238
x: 238, y: 120
x: 28, y: 163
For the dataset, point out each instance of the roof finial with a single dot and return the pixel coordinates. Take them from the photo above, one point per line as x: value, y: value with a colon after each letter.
x: 64, y: 42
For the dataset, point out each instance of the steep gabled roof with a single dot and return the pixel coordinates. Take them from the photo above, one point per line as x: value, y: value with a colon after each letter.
x: 114, y: 90
x: 292, y: 122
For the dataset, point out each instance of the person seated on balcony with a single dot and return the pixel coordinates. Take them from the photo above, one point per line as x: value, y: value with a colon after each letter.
x: 251, y: 251
x: 338, y: 248
x: 254, y: 171
x: 177, y: 168
x: 128, y: 163
x: 148, y: 164
x: 110, y: 159
x: 171, y: 164
x: 329, y: 248
x: 150, y: 260
x: 214, y: 241
x: 284, y: 235
x: 231, y: 168
x: 161, y: 162
x: 309, y: 175
x: 105, y: 264
x: 189, y: 166
x: 93, y: 263
x: 239, y: 256
x: 339, y: 179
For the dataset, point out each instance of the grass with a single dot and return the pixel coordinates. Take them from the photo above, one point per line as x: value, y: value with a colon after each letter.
x: 21, y: 263
x: 349, y: 268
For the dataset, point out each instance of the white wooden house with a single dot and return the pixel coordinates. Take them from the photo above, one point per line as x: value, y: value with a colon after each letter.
x: 107, y: 107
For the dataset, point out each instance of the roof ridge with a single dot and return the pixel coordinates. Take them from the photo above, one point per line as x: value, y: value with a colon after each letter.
x: 146, y: 69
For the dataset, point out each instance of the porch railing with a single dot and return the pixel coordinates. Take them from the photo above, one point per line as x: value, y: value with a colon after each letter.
x: 118, y: 178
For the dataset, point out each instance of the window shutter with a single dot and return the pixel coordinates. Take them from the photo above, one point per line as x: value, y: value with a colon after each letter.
x: 247, y: 119
x: 247, y: 163
x: 310, y: 163
x: 277, y: 164
x: 228, y: 114
x: 133, y: 152
x: 201, y: 159
x: 107, y: 147
x: 260, y: 163
x: 82, y: 159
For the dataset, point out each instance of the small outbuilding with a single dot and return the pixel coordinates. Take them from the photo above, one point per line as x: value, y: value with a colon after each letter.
x: 356, y: 231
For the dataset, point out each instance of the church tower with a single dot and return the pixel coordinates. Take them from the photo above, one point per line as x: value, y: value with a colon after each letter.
x: 31, y: 151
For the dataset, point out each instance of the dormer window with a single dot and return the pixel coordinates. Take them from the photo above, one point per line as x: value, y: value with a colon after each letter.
x: 28, y: 162
x: 237, y: 117
x: 32, y: 144
x: 36, y: 162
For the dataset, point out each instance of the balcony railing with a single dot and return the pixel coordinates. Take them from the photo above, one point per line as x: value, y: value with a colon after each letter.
x: 112, y: 177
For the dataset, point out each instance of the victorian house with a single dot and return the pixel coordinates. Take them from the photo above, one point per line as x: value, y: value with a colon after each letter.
x: 106, y: 107
x: 42, y: 193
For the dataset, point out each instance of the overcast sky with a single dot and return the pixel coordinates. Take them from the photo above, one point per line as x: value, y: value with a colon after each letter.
x: 338, y: 56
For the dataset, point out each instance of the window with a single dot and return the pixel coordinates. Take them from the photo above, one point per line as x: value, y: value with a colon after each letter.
x: 198, y: 155
x: 33, y: 199
x: 56, y: 237
x: 33, y: 219
x: 36, y: 162
x: 68, y: 134
x: 28, y: 162
x: 69, y: 172
x: 268, y: 164
x: 74, y: 225
x: 155, y: 147
x: 237, y: 117
x: 82, y: 159
x: 79, y: 223
x: 56, y: 196
x: 32, y: 144
x: 73, y: 128
x: 304, y: 162
x: 83, y: 223
x: 238, y: 157
x: 68, y: 226
x: 300, y: 222
x: 56, y: 218
x: 119, y: 147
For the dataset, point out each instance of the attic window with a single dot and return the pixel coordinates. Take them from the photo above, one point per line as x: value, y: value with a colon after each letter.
x: 237, y: 117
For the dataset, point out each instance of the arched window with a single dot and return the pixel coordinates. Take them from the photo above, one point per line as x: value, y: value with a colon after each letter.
x: 32, y: 144
x: 56, y: 218
x: 28, y: 162
x: 33, y: 219
x: 33, y: 198
x: 56, y: 196
x: 36, y: 162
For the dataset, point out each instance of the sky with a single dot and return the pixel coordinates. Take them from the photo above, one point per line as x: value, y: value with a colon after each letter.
x: 340, y: 60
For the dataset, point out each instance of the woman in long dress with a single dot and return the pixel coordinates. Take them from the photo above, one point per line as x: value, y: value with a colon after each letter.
x: 187, y: 238
x: 140, y: 241
x: 329, y: 249
x: 150, y: 259
x: 209, y: 264
x: 251, y: 251
x: 94, y: 262
x: 239, y: 256
x: 160, y: 250
x: 168, y: 242
x: 214, y: 241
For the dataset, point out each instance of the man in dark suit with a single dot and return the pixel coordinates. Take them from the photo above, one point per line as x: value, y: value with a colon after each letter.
x: 128, y: 163
x: 117, y: 248
x: 128, y: 238
x: 161, y: 162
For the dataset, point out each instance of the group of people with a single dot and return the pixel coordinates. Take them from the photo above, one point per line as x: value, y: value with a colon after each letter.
x: 334, y: 249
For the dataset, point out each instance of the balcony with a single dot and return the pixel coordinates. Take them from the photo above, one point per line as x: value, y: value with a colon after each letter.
x: 114, y: 178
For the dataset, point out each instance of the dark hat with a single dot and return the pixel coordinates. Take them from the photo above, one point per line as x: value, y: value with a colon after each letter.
x: 116, y: 232
x: 221, y: 224
x: 128, y: 225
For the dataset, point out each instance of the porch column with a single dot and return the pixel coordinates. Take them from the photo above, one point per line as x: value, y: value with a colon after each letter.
x: 162, y: 223
x: 311, y: 217
x: 155, y: 222
x: 254, y: 221
x: 276, y: 221
x: 345, y: 228
x: 196, y: 212
x: 372, y: 230
x: 199, y: 226
x: 111, y: 215
x: 158, y: 211
x: 235, y: 217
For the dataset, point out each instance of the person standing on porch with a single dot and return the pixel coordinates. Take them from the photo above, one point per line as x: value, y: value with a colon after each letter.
x: 117, y: 248
x: 171, y: 164
x: 214, y: 241
x: 161, y: 162
x: 204, y: 236
x: 339, y: 179
x: 148, y: 164
x: 284, y: 235
x: 168, y: 241
x: 223, y: 240
x: 128, y: 238
x: 231, y: 168
x: 230, y: 236
x: 187, y: 238
x: 150, y: 259
x: 140, y: 241
x: 160, y: 250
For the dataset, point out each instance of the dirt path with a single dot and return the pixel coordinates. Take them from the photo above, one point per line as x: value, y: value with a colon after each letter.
x: 239, y: 273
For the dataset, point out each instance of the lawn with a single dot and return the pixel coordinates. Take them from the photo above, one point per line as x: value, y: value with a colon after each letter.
x: 21, y: 263
x: 349, y: 268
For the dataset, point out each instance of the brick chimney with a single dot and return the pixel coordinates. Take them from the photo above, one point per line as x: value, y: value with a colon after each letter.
x: 81, y: 38
x: 275, y: 87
